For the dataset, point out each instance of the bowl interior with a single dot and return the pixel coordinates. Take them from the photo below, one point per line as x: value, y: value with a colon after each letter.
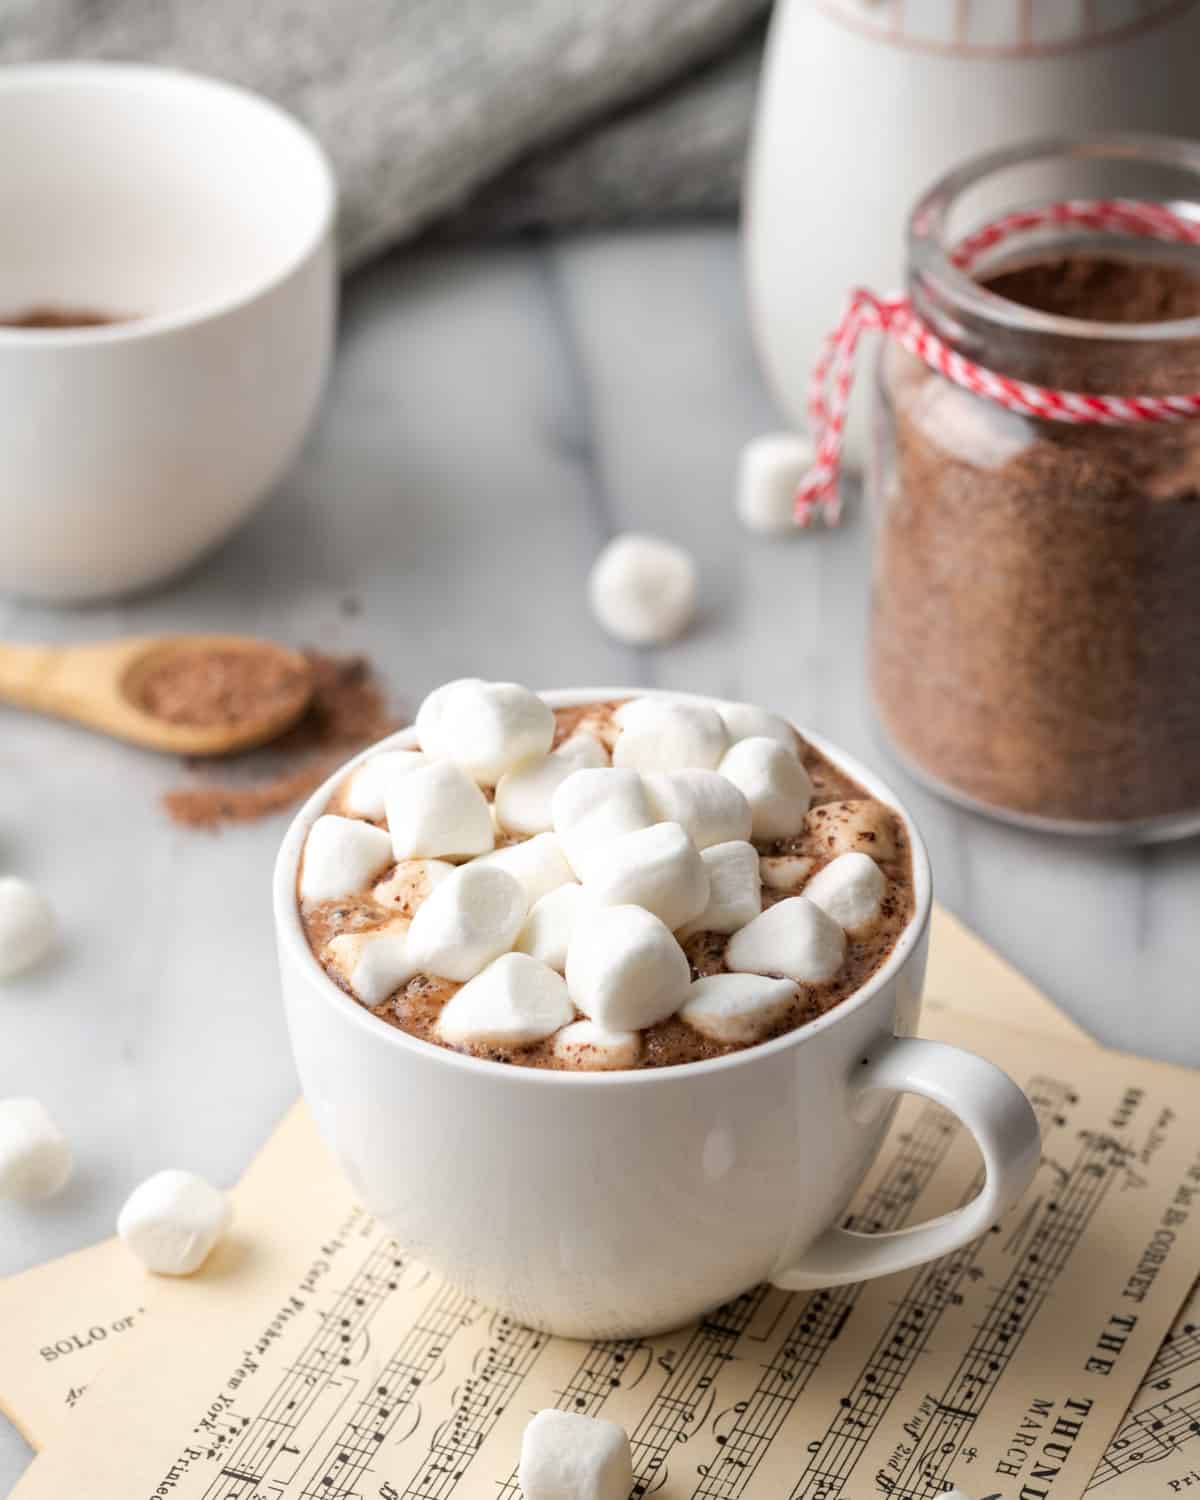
x: 141, y: 192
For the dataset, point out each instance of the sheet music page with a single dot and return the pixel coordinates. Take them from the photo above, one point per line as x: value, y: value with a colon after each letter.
x: 311, y: 1358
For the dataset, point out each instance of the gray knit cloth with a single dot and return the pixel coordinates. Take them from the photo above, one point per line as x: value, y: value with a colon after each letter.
x: 479, y: 116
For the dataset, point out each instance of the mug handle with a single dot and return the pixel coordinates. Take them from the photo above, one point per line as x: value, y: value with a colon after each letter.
x: 996, y: 1113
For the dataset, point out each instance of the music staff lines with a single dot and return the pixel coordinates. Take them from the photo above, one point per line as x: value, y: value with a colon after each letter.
x: 264, y: 1438
x: 509, y: 1356
x: 822, y: 1315
x: 1061, y: 1218
x: 905, y: 1335
x: 1159, y: 1428
x: 392, y: 1393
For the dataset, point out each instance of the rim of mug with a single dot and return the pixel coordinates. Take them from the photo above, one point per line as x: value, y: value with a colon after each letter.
x: 123, y: 75
x: 290, y: 930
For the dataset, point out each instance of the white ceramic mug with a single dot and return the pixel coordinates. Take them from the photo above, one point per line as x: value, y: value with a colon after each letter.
x: 203, y: 215
x: 605, y: 1205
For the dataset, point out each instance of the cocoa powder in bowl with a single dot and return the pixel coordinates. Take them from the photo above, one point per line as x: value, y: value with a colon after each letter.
x: 1035, y: 641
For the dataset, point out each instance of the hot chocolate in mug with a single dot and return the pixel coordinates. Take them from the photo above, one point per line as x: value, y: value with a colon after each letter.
x: 623, y: 1204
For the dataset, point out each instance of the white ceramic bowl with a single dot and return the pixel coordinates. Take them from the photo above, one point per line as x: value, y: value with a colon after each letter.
x: 204, y: 215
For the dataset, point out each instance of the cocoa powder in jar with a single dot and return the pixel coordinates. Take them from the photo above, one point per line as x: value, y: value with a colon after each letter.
x: 1035, y: 641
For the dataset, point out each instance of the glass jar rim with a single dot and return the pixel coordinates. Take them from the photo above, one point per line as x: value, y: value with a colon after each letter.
x: 929, y: 249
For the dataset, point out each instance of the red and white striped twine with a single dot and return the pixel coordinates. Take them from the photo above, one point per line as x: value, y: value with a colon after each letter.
x: 833, y: 374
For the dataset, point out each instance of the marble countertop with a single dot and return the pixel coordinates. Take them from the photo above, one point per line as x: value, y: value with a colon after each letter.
x: 494, y: 416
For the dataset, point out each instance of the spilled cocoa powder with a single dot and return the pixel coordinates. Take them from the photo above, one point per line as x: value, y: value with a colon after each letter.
x: 1035, y: 641
x: 347, y: 711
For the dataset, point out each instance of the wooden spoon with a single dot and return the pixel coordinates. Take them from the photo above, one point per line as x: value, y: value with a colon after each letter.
x: 103, y: 686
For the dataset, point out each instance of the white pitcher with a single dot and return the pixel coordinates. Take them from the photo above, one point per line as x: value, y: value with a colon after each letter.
x: 864, y: 102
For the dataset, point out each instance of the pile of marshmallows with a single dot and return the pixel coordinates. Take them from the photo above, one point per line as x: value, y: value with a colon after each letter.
x: 617, y: 863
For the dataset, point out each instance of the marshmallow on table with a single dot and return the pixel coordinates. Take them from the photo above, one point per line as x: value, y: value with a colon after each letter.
x: 784, y: 872
x: 794, y: 938
x: 734, y: 889
x: 657, y: 868
x: 35, y: 1157
x: 707, y: 805
x: 410, y: 882
x: 514, y: 1002
x: 538, y: 863
x: 625, y: 970
x: 173, y: 1220
x: 850, y: 889
x: 26, y: 925
x: 737, y: 1008
x: 375, y: 962
x: 659, y: 734
x: 769, y: 475
x: 591, y: 808
x: 746, y: 721
x: 860, y: 824
x: 341, y: 856
x: 567, y: 1456
x: 774, y: 783
x: 428, y: 722
x: 437, y: 810
x: 469, y: 920
x: 643, y: 589
x: 487, y: 728
x: 547, y: 930
x: 591, y: 1048
x: 525, y: 794
x: 365, y: 794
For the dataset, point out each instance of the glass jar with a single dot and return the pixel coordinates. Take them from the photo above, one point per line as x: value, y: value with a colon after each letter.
x: 1035, y: 633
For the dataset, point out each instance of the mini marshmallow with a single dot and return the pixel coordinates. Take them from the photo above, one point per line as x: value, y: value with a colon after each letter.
x: 524, y: 795
x: 657, y: 868
x: 591, y: 808
x: 173, y: 1220
x: 769, y: 474
x: 428, y: 722
x: 341, y: 855
x: 26, y: 925
x: 549, y: 925
x: 365, y: 794
x: 538, y: 863
x: 658, y: 734
x: 410, y: 883
x: 746, y: 721
x: 373, y: 963
x: 35, y: 1156
x: 438, y: 810
x: 487, y: 728
x: 707, y: 805
x: 734, y: 890
x: 625, y: 970
x: 514, y: 1002
x: 850, y: 889
x: 642, y: 589
x: 794, y: 938
x: 775, y: 784
x: 784, y: 872
x: 466, y: 922
x: 861, y: 824
x: 590, y: 1048
x: 737, y: 1008
x: 567, y: 1456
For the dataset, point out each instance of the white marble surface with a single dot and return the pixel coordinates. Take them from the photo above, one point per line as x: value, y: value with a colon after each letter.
x: 494, y: 416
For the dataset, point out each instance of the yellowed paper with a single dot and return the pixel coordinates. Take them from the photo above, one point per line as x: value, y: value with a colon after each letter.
x: 60, y: 1322
x: 313, y: 1359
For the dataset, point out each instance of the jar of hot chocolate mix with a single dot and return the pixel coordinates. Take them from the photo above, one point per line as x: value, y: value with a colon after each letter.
x: 1035, y: 484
